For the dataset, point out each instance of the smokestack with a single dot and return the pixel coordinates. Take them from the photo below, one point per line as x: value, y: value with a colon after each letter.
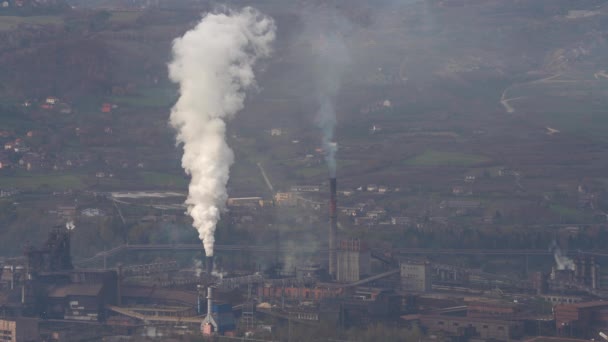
x: 209, y: 264
x: 333, y: 223
x: 209, y: 302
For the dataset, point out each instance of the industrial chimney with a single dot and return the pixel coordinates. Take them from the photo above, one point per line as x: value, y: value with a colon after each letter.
x: 209, y: 264
x: 333, y: 222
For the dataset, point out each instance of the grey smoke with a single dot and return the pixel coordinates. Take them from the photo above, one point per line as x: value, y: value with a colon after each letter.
x: 213, y: 65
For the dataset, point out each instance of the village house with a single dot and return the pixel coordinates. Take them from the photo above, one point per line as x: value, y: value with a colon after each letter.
x: 8, y: 192
x: 276, y: 132
x: 106, y: 107
x: 92, y: 212
x: 350, y: 211
x: 372, y: 187
x: 401, y: 220
x: 376, y: 214
x: 460, y: 190
x: 51, y: 100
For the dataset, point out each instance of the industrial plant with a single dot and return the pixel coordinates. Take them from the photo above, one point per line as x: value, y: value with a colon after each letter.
x: 45, y: 296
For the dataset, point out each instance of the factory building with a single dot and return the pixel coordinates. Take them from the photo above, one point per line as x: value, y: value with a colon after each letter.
x: 354, y: 260
x: 415, y: 276
x: 19, y: 330
x: 479, y: 328
x: 581, y: 319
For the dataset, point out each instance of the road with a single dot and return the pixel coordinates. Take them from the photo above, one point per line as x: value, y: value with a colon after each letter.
x: 266, y: 178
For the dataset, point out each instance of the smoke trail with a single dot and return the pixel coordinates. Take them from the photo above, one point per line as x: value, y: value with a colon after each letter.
x: 332, y: 59
x: 213, y: 65
x: 562, y: 261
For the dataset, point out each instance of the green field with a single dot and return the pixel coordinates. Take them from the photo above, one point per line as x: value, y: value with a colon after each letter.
x: 33, y: 181
x: 11, y: 22
x: 148, y: 97
x: 438, y: 158
x: 124, y: 17
x: 151, y: 178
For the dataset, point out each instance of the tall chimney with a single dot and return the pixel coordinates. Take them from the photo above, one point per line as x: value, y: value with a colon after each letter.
x: 209, y: 302
x: 333, y: 222
x: 209, y: 264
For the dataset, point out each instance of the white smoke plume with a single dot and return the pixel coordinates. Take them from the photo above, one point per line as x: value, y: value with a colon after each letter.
x: 562, y: 261
x: 331, y: 60
x: 198, y: 267
x: 213, y: 65
x: 70, y: 225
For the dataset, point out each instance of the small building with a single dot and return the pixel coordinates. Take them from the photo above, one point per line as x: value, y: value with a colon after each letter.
x: 92, y: 212
x: 19, y: 329
x: 480, y: 328
x: 250, y: 202
x: 276, y: 132
x: 106, y: 107
x: 51, y: 100
x: 401, y: 221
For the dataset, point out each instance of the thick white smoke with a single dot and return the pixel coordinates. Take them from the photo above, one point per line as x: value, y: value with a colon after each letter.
x: 213, y: 65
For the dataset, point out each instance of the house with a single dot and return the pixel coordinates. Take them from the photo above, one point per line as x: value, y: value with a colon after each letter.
x: 376, y: 214
x: 106, y: 107
x: 382, y: 189
x: 92, y: 212
x: 401, y: 220
x: 276, y: 132
x: 4, y: 163
x: 350, y: 211
x: 375, y: 129
x: 372, y: 187
x: 51, y: 100
x: 469, y: 179
x: 508, y: 172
